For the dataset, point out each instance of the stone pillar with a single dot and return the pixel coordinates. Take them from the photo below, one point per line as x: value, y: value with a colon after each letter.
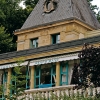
x: 57, y: 73
x: 32, y: 80
x: 8, y: 80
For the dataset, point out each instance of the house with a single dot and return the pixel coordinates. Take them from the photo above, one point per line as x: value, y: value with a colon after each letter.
x: 49, y: 41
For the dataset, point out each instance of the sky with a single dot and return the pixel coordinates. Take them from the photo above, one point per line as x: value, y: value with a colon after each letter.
x: 96, y: 2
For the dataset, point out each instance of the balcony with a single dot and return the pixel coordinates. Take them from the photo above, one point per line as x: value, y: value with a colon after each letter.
x: 53, y: 93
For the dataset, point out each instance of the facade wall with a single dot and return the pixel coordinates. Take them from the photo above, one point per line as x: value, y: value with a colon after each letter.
x: 68, y: 32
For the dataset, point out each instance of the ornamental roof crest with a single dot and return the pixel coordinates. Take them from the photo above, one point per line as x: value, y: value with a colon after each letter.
x: 49, y: 6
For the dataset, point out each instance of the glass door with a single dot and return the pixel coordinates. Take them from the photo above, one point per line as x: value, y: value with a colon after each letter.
x: 53, y: 74
x: 64, y: 73
x: 37, y: 76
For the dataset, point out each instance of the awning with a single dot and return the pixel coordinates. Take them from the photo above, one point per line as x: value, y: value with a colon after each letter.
x: 43, y: 61
x: 12, y: 65
x: 54, y: 59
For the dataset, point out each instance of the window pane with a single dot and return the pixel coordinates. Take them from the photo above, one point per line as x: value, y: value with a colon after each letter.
x: 55, y: 38
x: 37, y: 43
x: 37, y: 72
x: 63, y: 68
x: 34, y: 43
x: 64, y: 78
x: 54, y: 69
x: 58, y: 38
x: 37, y: 81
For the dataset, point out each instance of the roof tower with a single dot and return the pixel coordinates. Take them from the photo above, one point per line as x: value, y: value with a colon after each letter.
x: 52, y: 11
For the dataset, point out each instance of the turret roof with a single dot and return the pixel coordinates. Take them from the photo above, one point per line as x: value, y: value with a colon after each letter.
x: 65, y: 10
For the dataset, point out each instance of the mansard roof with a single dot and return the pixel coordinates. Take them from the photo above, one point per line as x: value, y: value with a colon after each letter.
x: 65, y: 10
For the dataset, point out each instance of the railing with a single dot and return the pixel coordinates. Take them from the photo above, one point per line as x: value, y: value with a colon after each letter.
x: 53, y: 93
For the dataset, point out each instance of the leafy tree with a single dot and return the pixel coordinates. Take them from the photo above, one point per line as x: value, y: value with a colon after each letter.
x: 12, y: 16
x: 88, y: 71
x: 31, y: 3
x: 6, y: 44
x: 98, y: 16
x: 19, y: 79
x: 93, y: 8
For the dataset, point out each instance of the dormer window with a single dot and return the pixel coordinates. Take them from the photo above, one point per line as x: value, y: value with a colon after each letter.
x: 34, y: 43
x: 55, y: 38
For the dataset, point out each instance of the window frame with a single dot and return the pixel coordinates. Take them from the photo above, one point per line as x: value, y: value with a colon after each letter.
x: 34, y: 45
x: 64, y: 73
x: 38, y: 76
x: 55, y: 38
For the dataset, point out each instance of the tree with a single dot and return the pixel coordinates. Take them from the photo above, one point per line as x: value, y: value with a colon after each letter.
x: 18, y: 81
x: 31, y: 3
x: 88, y: 71
x: 6, y: 44
x: 93, y: 8
x: 12, y: 16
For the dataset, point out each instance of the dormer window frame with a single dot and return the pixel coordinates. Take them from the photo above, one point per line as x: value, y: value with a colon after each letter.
x: 55, y: 38
x: 34, y: 43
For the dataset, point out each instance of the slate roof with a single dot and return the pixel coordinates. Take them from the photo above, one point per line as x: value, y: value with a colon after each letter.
x: 44, y: 49
x: 66, y: 10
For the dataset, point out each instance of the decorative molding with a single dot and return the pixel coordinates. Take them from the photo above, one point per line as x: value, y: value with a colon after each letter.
x: 49, y: 6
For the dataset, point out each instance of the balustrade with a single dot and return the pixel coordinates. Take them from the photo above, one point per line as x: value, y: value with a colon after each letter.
x: 53, y: 93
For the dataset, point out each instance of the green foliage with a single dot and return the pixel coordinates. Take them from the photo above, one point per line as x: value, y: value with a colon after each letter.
x: 31, y: 3
x: 19, y: 80
x: 98, y: 16
x: 87, y: 72
x: 12, y: 16
x: 93, y: 8
x: 6, y: 44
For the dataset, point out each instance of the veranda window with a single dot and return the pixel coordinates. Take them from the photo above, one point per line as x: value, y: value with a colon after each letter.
x: 64, y: 73
x: 4, y: 83
x: 25, y: 71
x: 45, y: 76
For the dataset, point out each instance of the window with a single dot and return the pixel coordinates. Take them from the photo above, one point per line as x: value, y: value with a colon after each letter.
x: 64, y: 73
x: 45, y: 76
x: 4, y: 83
x: 34, y: 43
x: 55, y: 38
